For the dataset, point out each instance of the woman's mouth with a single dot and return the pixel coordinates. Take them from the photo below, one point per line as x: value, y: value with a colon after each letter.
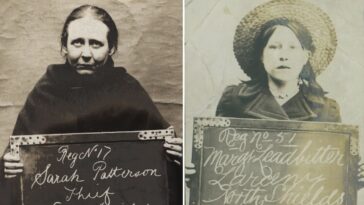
x: 85, y: 69
x: 283, y: 67
x: 84, y: 66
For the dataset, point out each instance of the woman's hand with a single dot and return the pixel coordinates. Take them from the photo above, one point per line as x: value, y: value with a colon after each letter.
x: 174, y: 148
x: 190, y: 173
x: 12, y: 165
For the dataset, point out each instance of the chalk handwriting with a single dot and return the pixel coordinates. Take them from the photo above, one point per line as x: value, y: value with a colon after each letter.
x: 46, y: 177
x: 81, y: 194
x: 116, y: 172
x: 72, y: 157
x: 74, y: 178
x: 257, y: 168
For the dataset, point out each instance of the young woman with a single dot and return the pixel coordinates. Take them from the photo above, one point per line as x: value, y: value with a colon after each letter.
x: 282, y: 45
x: 88, y: 93
x: 283, y: 81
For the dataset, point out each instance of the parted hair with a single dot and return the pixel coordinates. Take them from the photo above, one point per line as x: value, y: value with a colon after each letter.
x: 307, y: 77
x: 97, y: 13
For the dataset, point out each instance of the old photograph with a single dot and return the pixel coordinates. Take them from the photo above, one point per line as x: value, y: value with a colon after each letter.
x: 92, y: 67
x: 278, y: 60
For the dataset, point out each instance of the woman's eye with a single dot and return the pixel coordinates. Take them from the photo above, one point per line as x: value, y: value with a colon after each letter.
x: 77, y: 44
x: 272, y: 46
x: 96, y: 44
x: 292, y: 46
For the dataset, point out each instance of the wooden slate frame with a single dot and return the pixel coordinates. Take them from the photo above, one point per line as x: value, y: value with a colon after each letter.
x: 202, y: 124
x: 19, y: 143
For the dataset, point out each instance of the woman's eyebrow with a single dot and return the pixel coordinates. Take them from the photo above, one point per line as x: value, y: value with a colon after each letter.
x: 78, y: 40
x: 95, y: 41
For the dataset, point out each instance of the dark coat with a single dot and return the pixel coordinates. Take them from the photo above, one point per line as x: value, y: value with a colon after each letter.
x: 110, y: 100
x: 252, y: 100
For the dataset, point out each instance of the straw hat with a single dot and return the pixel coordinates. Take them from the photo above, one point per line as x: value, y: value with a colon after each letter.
x: 311, y: 17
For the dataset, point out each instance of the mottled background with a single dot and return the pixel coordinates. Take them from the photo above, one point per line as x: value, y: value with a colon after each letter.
x: 150, y: 48
x: 210, y: 64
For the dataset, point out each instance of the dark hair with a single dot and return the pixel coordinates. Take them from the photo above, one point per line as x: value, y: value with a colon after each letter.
x: 97, y: 13
x: 307, y: 75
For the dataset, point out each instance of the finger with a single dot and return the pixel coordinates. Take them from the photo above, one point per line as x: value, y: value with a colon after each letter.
x: 11, y: 158
x: 177, y: 162
x: 174, y: 153
x: 173, y: 147
x: 9, y: 176
x: 190, y: 171
x: 12, y: 165
x: 13, y: 171
x: 190, y: 166
x: 174, y: 140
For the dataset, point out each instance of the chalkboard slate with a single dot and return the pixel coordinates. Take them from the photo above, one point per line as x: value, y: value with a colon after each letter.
x: 266, y: 162
x: 122, y: 168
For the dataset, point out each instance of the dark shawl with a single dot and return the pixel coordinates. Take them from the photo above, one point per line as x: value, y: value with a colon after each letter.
x: 63, y: 101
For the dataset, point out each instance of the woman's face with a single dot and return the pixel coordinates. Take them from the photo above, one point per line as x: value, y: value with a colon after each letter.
x: 87, y: 46
x: 283, y: 56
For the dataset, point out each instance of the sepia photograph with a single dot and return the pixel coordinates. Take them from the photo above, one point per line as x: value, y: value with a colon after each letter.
x: 270, y: 62
x: 91, y: 102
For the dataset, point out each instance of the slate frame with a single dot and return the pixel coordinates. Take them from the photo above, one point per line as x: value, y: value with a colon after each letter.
x: 18, y: 142
x: 200, y: 124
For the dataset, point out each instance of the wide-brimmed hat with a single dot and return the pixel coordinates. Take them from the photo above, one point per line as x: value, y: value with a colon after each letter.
x: 316, y: 21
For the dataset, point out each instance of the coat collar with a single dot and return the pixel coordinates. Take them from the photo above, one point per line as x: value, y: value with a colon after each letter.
x: 265, y: 106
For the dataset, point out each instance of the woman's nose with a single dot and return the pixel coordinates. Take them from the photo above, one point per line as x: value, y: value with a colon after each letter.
x: 283, y: 55
x: 283, y: 58
x: 86, y: 53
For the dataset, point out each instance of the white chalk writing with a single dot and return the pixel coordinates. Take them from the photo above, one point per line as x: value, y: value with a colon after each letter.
x: 261, y: 167
x: 72, y: 157
x: 81, y: 194
x: 100, y: 173
x: 73, y: 170
x: 46, y: 177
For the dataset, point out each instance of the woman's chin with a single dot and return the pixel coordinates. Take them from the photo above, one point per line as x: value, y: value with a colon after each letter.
x: 284, y: 78
x: 85, y: 71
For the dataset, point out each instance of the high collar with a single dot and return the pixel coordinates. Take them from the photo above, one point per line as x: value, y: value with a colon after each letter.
x: 108, y: 64
x: 73, y: 79
x: 265, y: 106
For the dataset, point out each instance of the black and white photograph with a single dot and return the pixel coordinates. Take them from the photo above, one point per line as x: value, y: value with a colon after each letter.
x: 91, y: 102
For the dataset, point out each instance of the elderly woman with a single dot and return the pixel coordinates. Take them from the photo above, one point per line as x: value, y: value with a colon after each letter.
x: 88, y: 93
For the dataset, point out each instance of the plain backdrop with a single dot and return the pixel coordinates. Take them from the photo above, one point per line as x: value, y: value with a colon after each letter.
x: 210, y: 64
x: 150, y: 48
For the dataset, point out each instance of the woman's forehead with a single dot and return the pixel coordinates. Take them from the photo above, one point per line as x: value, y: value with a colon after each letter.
x: 88, y: 28
x: 283, y: 33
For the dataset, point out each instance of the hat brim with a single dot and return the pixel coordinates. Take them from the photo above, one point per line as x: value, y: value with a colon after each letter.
x: 316, y: 21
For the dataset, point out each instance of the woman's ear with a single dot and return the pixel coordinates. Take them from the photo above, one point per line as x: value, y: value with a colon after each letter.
x: 64, y: 51
x: 112, y: 51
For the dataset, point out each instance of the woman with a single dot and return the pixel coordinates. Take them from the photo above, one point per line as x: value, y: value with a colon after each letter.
x: 282, y: 46
x: 89, y: 94
x: 283, y: 82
